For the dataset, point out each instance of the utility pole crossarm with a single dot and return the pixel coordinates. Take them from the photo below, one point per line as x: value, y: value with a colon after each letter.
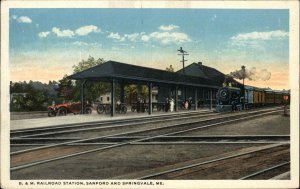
x: 182, y: 53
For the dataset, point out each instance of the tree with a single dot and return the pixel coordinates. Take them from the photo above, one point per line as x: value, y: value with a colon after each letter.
x: 170, y: 69
x: 92, y: 89
x: 65, y: 88
x: 85, y: 64
x: 132, y: 92
x: 31, y: 96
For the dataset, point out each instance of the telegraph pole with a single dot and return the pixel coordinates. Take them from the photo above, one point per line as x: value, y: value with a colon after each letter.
x: 243, y: 92
x: 182, y: 53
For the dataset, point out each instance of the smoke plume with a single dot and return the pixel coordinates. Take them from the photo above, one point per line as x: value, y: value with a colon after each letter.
x: 252, y: 74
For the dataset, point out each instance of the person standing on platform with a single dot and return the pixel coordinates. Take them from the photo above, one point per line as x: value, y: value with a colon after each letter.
x: 118, y: 105
x: 186, y: 104
x: 172, y: 104
x: 233, y: 106
x: 167, y: 105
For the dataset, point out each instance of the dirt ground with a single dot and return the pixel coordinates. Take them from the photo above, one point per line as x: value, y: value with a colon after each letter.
x: 120, y: 161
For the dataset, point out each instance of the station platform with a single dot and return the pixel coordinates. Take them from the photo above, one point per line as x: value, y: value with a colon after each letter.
x: 86, y: 118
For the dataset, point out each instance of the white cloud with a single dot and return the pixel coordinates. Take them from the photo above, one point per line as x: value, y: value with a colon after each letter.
x: 62, y: 33
x: 145, y: 38
x: 170, y: 37
x: 168, y: 27
x: 278, y: 34
x: 132, y: 37
x: 85, y: 30
x: 80, y: 43
x: 22, y: 19
x: 164, y: 37
x: 257, y: 40
x: 44, y: 34
x: 113, y: 35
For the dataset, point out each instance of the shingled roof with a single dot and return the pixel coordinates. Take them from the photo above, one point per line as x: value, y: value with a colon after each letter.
x: 112, y: 69
x: 199, y: 70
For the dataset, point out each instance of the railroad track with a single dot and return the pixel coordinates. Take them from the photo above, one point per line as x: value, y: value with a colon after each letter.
x: 92, y: 126
x: 95, y: 127
x: 207, y: 139
x: 149, y: 130
x: 16, y: 157
x: 268, y: 173
x: 234, y: 164
x: 70, y: 128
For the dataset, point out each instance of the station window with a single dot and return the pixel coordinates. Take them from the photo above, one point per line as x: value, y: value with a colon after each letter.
x: 107, y: 98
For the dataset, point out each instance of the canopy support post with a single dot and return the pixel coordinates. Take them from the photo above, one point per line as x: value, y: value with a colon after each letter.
x: 210, y: 98
x: 196, y: 99
x: 112, y: 111
x: 82, y: 96
x: 150, y: 98
x: 176, y: 98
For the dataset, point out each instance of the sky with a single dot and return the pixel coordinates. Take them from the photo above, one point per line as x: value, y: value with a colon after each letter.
x: 44, y: 44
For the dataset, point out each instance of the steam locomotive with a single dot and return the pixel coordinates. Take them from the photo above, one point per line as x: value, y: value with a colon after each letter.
x: 235, y: 98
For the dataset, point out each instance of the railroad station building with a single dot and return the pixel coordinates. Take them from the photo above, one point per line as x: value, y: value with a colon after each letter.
x: 197, y: 82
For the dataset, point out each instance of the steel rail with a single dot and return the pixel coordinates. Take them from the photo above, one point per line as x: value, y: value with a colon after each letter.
x: 129, y: 124
x: 204, y: 163
x: 202, y: 142
x: 125, y: 143
x: 204, y: 138
x: 181, y: 136
x: 166, y: 143
x: 105, y: 136
x: 265, y: 170
x: 67, y: 126
x: 132, y: 132
x: 114, y: 126
x: 63, y: 126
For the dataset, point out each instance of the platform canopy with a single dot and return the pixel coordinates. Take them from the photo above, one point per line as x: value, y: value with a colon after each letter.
x: 137, y: 74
